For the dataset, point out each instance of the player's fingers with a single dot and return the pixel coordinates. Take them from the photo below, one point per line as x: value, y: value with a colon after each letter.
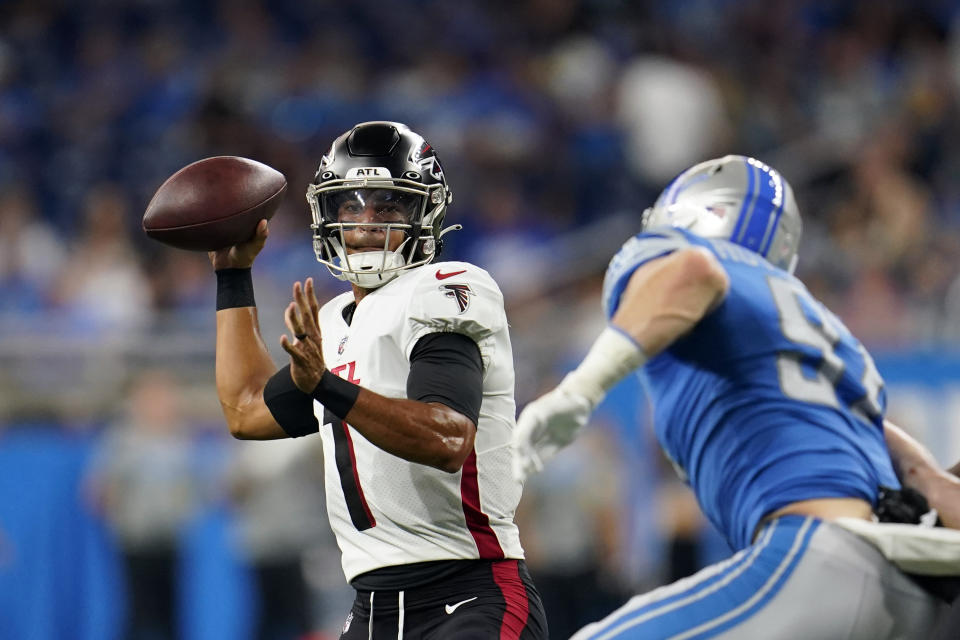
x: 298, y: 293
x: 526, y: 464
x: 286, y: 319
x: 303, y: 308
x: 309, y: 347
x: 295, y: 349
x: 536, y: 463
x: 292, y: 320
x: 288, y: 346
x: 312, y: 300
x: 308, y: 308
x: 255, y: 244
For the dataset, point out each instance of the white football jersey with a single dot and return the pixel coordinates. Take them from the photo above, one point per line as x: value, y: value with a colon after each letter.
x: 385, y: 510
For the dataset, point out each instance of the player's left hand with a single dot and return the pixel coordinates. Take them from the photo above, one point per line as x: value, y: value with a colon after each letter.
x: 545, y: 426
x: 306, y: 349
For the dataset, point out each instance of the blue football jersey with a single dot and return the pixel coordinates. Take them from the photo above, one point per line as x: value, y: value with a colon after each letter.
x: 768, y: 400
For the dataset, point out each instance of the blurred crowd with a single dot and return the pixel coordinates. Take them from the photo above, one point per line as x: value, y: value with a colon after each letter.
x: 557, y: 122
x: 551, y: 116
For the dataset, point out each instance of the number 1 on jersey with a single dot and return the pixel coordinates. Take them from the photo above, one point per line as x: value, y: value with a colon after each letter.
x: 357, y: 506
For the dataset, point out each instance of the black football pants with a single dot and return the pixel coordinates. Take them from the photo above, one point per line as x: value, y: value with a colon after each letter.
x: 489, y: 601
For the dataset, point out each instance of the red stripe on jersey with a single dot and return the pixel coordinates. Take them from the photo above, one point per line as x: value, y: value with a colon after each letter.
x: 477, y: 520
x: 356, y: 478
x: 507, y: 577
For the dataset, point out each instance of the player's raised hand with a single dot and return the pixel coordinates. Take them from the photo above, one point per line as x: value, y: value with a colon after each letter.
x: 306, y: 347
x: 545, y: 426
x: 241, y: 256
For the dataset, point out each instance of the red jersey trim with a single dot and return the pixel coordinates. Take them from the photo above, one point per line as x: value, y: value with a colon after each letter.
x: 356, y: 478
x: 507, y: 576
x: 477, y: 521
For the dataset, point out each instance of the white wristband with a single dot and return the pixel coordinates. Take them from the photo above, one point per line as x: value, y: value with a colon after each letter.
x: 612, y: 356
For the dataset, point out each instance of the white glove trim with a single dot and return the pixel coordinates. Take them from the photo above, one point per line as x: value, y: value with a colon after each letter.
x: 613, y: 355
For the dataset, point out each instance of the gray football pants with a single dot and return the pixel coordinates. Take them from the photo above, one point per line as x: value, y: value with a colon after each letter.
x: 803, y: 579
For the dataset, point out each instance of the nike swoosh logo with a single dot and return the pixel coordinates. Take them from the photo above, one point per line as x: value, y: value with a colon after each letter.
x: 451, y: 608
x: 443, y: 276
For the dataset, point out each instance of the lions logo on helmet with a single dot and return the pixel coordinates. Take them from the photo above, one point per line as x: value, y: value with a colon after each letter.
x: 736, y: 198
x: 399, y: 166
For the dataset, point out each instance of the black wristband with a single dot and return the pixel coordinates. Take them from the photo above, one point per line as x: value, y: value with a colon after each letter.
x: 336, y: 394
x: 234, y: 288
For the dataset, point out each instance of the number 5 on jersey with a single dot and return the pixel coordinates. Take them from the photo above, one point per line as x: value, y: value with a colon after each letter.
x: 822, y: 333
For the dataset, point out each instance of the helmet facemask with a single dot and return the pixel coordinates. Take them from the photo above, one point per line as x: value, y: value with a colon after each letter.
x: 340, y: 208
x: 395, y: 177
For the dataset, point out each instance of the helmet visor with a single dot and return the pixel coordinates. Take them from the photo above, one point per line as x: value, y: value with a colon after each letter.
x: 371, y: 206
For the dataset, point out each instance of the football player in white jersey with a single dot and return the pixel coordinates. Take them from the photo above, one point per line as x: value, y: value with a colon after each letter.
x: 409, y: 380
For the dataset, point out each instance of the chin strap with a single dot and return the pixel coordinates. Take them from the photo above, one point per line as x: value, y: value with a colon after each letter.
x: 436, y: 244
x: 369, y: 269
x: 453, y: 227
x: 374, y: 269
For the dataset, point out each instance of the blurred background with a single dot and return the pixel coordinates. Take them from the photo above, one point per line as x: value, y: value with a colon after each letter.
x: 126, y: 511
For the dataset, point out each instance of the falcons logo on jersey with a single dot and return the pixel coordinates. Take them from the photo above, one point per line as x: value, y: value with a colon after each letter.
x: 459, y: 292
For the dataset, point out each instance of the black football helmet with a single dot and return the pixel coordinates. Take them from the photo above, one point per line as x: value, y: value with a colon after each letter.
x: 388, y: 162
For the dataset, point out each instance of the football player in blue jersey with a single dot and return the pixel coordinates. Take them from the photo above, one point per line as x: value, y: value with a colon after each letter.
x: 772, y: 412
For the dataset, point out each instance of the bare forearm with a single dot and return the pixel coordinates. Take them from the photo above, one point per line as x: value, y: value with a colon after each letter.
x: 911, y: 460
x: 243, y: 362
x: 916, y: 468
x: 427, y: 433
x: 243, y: 366
x: 656, y: 333
x: 944, y: 496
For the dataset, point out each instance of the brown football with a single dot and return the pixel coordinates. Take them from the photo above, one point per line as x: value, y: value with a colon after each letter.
x: 213, y: 203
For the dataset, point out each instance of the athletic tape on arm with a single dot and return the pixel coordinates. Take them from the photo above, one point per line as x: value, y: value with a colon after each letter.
x: 612, y: 356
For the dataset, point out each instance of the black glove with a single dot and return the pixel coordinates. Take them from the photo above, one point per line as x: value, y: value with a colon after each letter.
x: 904, y: 505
